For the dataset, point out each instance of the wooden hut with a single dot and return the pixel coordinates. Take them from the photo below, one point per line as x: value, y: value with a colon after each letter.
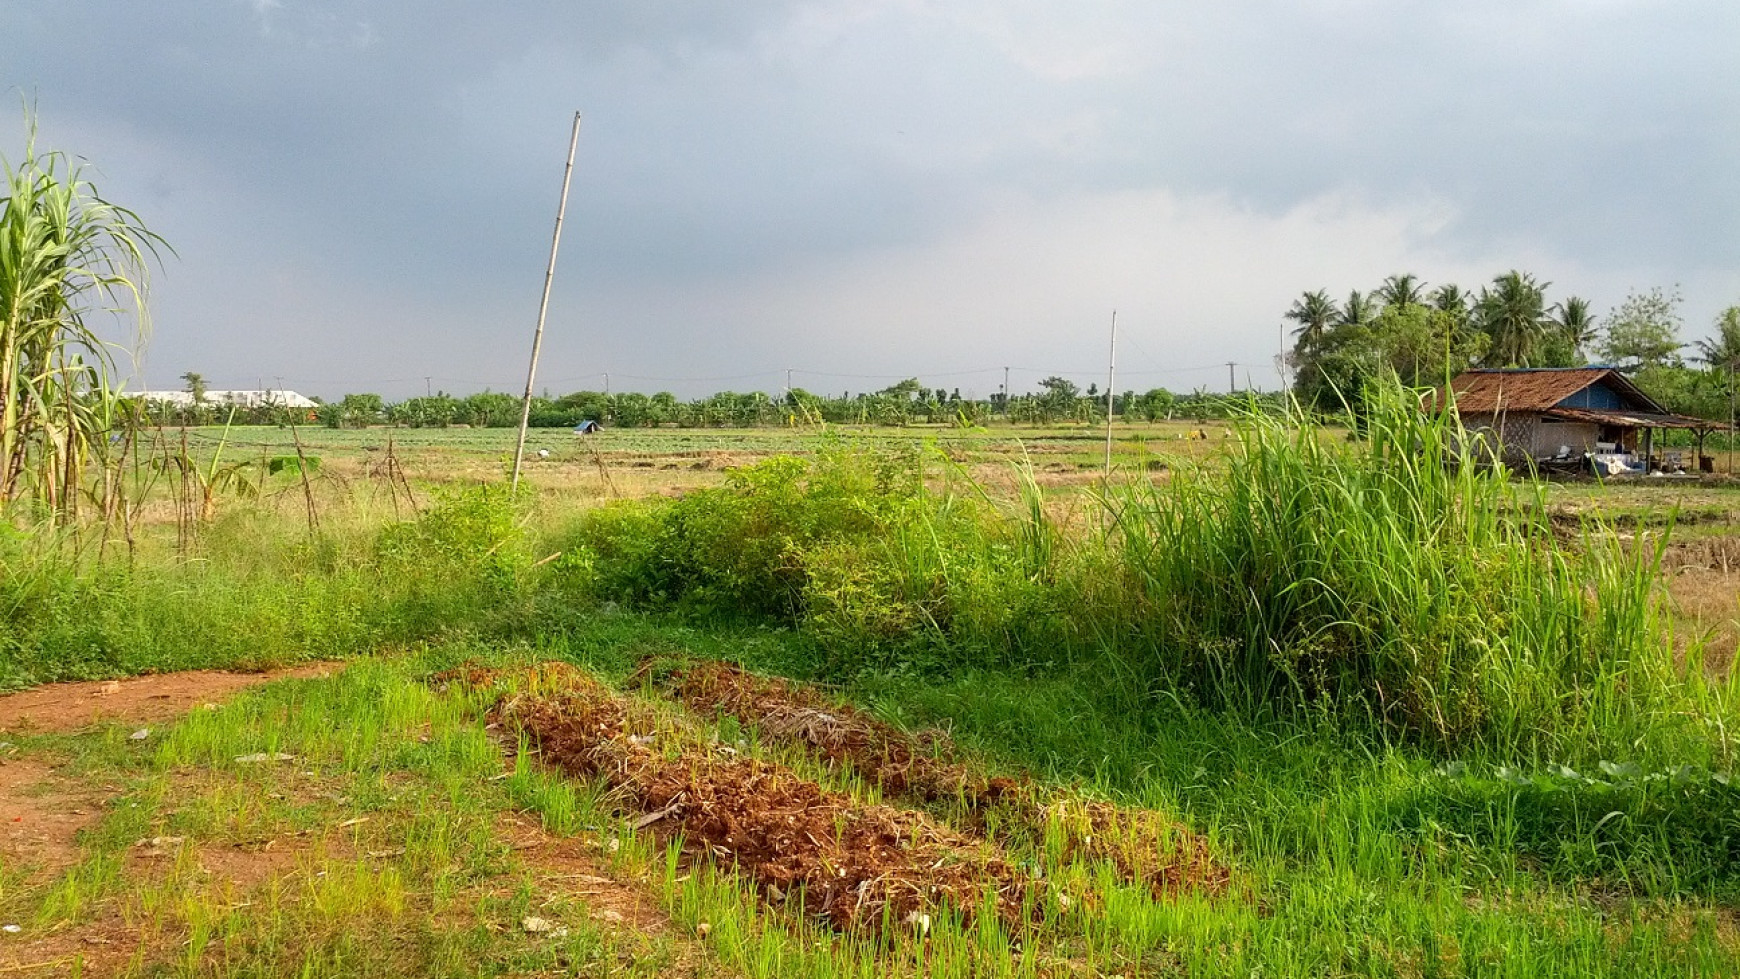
x: 1592, y: 417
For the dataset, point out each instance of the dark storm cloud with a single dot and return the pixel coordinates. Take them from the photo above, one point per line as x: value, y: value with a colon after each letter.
x: 378, y: 176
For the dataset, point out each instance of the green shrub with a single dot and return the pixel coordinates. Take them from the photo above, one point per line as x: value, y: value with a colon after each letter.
x: 851, y: 547
x: 470, y: 536
x: 741, y: 549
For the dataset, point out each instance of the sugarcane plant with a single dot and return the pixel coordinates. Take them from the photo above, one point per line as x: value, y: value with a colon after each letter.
x: 66, y: 255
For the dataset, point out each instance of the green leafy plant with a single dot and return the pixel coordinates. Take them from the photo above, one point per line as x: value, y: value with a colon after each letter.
x: 65, y: 253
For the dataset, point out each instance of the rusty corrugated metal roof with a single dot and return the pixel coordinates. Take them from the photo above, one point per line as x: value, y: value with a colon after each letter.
x: 1484, y: 392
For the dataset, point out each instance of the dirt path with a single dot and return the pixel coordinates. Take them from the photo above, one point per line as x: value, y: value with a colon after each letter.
x: 42, y: 813
x: 70, y: 706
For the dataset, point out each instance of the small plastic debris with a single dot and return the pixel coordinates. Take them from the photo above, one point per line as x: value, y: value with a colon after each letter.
x: 112, y: 687
x: 140, y: 734
x: 262, y: 756
x: 535, y: 925
x: 158, y: 846
x: 11, y: 929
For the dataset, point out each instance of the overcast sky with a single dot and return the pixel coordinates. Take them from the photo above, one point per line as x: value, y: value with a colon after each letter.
x: 361, y: 193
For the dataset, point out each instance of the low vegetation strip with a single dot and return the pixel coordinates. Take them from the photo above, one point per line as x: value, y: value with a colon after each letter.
x: 1145, y: 847
x: 853, y: 864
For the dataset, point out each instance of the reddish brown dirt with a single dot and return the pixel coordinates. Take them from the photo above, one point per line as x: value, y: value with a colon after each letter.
x: 1146, y: 847
x: 71, y: 706
x: 564, y: 866
x: 855, y: 865
x: 104, y: 947
x: 41, y: 814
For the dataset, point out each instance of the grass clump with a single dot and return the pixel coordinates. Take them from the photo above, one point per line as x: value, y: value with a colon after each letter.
x: 1393, y: 576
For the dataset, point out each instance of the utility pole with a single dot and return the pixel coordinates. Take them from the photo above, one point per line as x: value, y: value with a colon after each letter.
x: 1232, y: 383
x: 1005, y: 392
x: 607, y: 384
x: 788, y: 384
x: 1281, y: 358
x: 427, y: 391
x: 544, y: 308
x: 1111, y: 387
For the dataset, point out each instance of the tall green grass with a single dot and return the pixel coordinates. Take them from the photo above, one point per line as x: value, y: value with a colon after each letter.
x: 1400, y: 578
x: 256, y: 590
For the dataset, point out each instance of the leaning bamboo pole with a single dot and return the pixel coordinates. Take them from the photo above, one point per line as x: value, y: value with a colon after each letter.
x: 543, y: 308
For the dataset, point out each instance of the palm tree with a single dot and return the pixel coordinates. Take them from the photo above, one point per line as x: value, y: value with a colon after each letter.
x: 64, y: 252
x: 1724, y: 349
x: 1315, y: 313
x: 1359, y: 311
x: 1449, y: 298
x: 1513, y: 311
x: 1576, y: 323
x: 1402, y: 290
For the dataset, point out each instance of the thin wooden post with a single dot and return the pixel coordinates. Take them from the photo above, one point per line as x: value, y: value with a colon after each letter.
x: 1111, y: 388
x: 543, y: 308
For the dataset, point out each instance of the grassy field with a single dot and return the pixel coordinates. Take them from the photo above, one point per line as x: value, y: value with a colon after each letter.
x: 1278, y: 705
x: 640, y: 461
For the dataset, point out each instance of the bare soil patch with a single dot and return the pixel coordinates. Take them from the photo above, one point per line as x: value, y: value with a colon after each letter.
x: 71, y: 706
x: 566, y: 866
x: 41, y: 814
x: 104, y: 947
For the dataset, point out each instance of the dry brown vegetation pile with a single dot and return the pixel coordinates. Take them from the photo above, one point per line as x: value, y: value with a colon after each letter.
x: 852, y: 863
x: 794, y: 713
x: 1146, y: 847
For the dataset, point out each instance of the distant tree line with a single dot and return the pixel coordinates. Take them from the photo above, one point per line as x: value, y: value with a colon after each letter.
x: 1057, y: 401
x: 1425, y: 336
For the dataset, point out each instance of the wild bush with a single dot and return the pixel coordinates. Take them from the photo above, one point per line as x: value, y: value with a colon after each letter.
x: 850, y: 546
x: 471, y: 533
x: 740, y: 549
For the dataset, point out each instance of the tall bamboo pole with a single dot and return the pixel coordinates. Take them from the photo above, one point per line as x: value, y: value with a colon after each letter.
x: 544, y: 307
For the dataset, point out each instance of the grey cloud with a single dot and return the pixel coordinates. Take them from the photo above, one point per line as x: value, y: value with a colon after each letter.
x: 385, y: 147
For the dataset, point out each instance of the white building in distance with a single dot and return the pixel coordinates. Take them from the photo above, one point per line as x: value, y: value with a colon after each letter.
x: 225, y: 399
